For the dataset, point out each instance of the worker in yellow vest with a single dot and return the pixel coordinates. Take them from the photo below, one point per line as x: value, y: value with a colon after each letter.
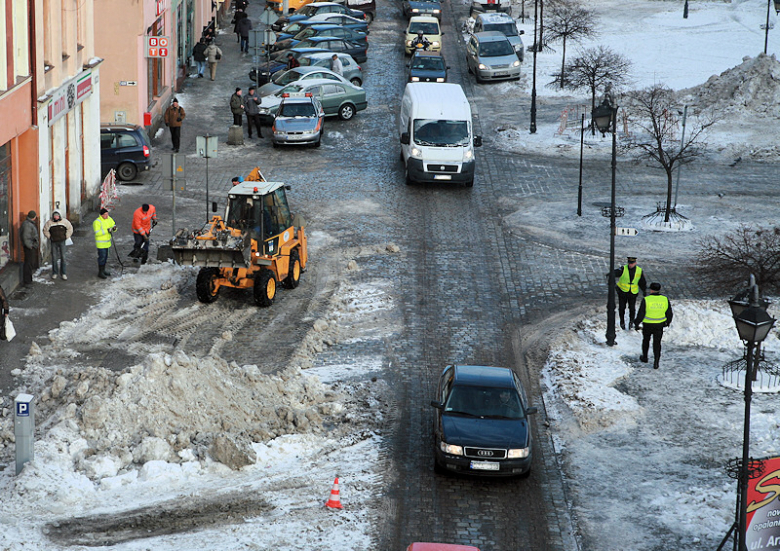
x: 654, y: 314
x: 631, y: 279
x: 103, y: 226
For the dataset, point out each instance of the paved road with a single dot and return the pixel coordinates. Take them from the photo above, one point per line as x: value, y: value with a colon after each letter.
x: 469, y: 281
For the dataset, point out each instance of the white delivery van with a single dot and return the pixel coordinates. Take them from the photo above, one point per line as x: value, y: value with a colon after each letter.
x: 437, y: 138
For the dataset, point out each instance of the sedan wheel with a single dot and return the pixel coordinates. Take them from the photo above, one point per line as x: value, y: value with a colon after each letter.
x: 357, y: 82
x: 346, y: 111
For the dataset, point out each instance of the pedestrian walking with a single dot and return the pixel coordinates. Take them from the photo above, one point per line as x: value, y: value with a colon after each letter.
x: 237, y: 107
x: 244, y: 26
x: 199, y: 55
x: 252, y: 109
x: 174, y: 116
x: 144, y: 219
x: 237, y: 17
x: 292, y: 63
x: 631, y: 279
x: 103, y: 227
x: 654, y: 314
x: 213, y: 55
x: 28, y: 233
x: 336, y: 66
x: 4, y: 308
x: 58, y: 230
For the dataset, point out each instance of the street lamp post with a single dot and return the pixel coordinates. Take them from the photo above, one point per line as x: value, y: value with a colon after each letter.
x: 605, y: 116
x: 582, y: 143
x: 533, y: 85
x: 766, y: 27
x: 753, y: 325
x: 685, y: 10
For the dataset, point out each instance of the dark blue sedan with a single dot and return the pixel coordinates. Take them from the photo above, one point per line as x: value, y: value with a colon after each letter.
x: 427, y: 67
x: 482, y: 424
x: 320, y: 30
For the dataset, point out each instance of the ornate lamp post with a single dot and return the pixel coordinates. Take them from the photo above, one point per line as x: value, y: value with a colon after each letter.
x: 604, y: 117
x: 753, y: 325
x: 533, y: 85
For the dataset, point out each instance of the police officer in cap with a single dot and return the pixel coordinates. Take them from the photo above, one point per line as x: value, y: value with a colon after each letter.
x: 654, y: 314
x: 630, y: 279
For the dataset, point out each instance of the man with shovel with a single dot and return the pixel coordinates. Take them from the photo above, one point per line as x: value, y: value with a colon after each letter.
x: 144, y: 219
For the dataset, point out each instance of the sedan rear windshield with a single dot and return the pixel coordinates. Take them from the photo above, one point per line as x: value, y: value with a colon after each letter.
x: 477, y: 401
x: 495, y: 49
x: 508, y: 29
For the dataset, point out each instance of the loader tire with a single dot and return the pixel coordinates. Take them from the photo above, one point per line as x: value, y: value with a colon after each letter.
x: 265, y: 288
x: 294, y: 273
x: 205, y: 287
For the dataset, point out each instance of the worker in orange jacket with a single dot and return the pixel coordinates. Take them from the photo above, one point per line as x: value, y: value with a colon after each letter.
x: 144, y: 219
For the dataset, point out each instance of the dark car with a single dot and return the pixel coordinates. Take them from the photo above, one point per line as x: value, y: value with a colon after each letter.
x: 427, y: 67
x: 421, y: 7
x: 336, y: 31
x: 125, y: 148
x: 315, y: 8
x: 337, y: 45
x: 347, y: 21
x: 482, y: 424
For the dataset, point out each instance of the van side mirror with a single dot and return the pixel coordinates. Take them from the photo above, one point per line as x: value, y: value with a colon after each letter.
x: 213, y: 206
x: 522, y: 31
x: 477, y: 141
x: 405, y: 138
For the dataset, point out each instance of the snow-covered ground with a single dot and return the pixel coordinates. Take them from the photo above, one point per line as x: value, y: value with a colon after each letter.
x: 643, y: 450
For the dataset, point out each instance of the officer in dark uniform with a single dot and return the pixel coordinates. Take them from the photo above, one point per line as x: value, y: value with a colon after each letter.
x: 654, y: 314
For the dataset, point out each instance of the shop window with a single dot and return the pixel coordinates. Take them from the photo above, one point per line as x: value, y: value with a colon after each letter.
x: 5, y: 218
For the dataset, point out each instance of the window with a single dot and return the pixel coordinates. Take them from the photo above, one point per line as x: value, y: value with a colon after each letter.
x: 332, y: 90
x: 125, y: 140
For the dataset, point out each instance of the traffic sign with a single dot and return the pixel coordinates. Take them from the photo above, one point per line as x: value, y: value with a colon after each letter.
x: 268, y: 17
x: 626, y: 231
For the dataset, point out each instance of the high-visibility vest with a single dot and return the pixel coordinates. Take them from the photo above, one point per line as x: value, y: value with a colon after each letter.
x: 655, y: 309
x: 142, y: 221
x: 102, y: 235
x: 624, y: 284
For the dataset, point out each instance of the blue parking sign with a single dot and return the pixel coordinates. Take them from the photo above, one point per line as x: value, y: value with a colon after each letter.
x: 22, y: 409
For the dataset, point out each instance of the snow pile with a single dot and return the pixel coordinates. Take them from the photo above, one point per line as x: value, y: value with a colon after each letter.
x: 753, y: 85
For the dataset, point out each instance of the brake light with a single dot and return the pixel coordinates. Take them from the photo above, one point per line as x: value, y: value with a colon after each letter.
x: 146, y: 151
x: 285, y: 95
x: 309, y: 95
x: 359, y: 68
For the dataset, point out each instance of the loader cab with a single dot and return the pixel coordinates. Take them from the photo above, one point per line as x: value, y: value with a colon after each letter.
x: 259, y: 208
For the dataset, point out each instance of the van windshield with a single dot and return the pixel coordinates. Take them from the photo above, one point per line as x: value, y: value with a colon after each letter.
x: 507, y: 29
x: 441, y: 133
x: 426, y: 28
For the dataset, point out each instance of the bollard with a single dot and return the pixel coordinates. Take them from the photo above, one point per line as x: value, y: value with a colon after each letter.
x: 236, y: 135
x: 24, y: 427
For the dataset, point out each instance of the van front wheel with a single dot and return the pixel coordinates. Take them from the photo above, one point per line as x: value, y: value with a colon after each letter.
x: 408, y: 178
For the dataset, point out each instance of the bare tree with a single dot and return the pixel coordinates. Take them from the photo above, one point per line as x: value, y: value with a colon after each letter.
x: 594, y: 67
x: 568, y: 20
x: 654, y: 110
x: 727, y: 262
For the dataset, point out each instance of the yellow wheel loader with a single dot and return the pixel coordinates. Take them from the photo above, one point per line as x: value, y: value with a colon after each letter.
x: 258, y: 245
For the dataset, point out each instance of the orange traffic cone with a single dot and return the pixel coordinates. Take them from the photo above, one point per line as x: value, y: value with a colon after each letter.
x: 335, y: 501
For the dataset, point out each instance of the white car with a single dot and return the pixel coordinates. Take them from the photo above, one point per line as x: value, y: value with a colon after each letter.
x: 283, y: 78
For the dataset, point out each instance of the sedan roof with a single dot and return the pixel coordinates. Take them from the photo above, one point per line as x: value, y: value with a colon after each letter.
x: 481, y: 375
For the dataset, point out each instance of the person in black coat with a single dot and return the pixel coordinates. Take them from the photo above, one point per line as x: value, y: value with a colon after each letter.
x: 244, y: 26
x: 3, y: 313
x: 239, y: 15
x: 199, y: 55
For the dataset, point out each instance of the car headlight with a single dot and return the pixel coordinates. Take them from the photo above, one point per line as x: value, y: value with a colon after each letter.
x: 516, y: 63
x: 468, y: 155
x: 415, y: 153
x: 435, y: 45
x: 520, y: 453
x: 264, y: 111
x: 415, y: 10
x: 440, y: 79
x: 482, y: 66
x: 409, y: 43
x: 450, y: 448
x: 415, y: 79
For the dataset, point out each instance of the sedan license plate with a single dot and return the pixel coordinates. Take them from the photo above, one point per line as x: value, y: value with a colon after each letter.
x: 442, y: 177
x: 501, y: 74
x: 484, y: 465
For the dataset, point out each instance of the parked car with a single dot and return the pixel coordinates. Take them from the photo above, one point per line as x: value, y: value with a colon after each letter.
x: 126, y: 149
x: 315, y: 8
x: 340, y: 19
x: 490, y: 56
x: 481, y: 6
x: 431, y: 30
x: 368, y: 7
x: 352, y: 71
x: 337, y: 98
x: 321, y: 30
x: 294, y: 75
x: 427, y: 67
x: 299, y: 120
x: 278, y: 62
x: 421, y: 7
x: 357, y: 50
x: 504, y: 24
x: 481, y: 423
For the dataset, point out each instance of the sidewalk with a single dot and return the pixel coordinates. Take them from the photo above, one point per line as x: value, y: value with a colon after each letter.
x: 41, y: 307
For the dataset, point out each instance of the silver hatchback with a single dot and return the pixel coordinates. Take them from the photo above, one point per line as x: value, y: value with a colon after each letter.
x: 490, y: 56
